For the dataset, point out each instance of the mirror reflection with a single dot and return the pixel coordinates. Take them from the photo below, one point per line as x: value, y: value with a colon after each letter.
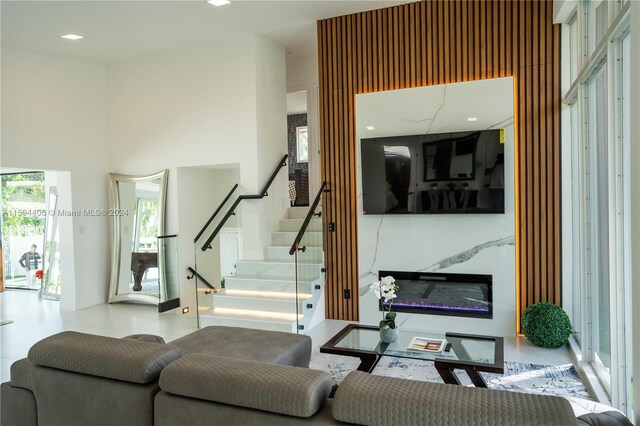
x: 137, y: 212
x: 461, y: 172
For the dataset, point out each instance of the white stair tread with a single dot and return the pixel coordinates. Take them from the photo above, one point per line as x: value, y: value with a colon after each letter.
x: 284, y: 262
x: 265, y: 295
x: 265, y: 316
x: 286, y: 278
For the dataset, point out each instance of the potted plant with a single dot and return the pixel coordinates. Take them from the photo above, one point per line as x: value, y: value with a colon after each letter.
x: 385, y: 290
x: 546, y: 325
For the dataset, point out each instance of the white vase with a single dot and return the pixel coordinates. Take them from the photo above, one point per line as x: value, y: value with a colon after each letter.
x: 389, y: 335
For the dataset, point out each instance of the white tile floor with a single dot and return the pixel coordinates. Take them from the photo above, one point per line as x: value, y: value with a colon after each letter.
x: 34, y: 319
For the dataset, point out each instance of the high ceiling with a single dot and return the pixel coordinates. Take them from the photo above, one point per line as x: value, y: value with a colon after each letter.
x: 117, y: 30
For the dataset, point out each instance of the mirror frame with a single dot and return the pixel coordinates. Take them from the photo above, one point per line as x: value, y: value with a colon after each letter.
x: 115, y: 226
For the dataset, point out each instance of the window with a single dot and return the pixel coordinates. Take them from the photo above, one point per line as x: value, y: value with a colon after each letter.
x: 597, y: 173
x: 577, y: 152
x: 596, y: 50
x: 302, y: 138
x: 597, y: 23
x: 574, y: 43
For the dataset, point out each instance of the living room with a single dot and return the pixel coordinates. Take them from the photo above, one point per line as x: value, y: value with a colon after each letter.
x: 135, y: 97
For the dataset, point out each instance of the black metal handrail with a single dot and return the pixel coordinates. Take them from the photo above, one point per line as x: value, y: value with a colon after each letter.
x: 200, y: 277
x: 307, y: 219
x: 263, y: 193
x: 215, y: 213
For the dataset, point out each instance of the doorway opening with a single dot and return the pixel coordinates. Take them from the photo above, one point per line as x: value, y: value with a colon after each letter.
x: 30, y: 233
x: 298, y: 148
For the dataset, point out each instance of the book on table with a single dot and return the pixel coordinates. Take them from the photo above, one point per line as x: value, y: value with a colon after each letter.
x: 427, y: 344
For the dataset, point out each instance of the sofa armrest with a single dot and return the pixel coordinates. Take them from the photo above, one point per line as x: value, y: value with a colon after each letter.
x: 282, y: 389
x: 363, y: 398
x: 121, y: 359
x: 605, y: 418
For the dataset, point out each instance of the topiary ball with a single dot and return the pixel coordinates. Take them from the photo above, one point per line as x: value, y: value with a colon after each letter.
x: 546, y: 325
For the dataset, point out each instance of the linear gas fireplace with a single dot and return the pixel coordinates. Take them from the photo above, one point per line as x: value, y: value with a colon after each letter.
x: 464, y: 295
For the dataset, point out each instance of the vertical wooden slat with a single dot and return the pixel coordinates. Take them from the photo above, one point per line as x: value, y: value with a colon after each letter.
x: 535, y: 122
x: 482, y: 42
x: 439, y: 28
x: 508, y: 34
x: 490, y: 34
x: 444, y: 29
x: 413, y: 64
x: 555, y: 107
x: 476, y: 40
x: 458, y: 40
x: 402, y: 35
x: 432, y: 42
x: 502, y: 39
x: 464, y: 40
x: 551, y: 200
x: 421, y: 45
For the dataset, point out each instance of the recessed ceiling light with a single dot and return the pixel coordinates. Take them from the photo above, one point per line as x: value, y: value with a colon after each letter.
x: 370, y: 128
x: 218, y: 2
x: 472, y: 118
x: 72, y: 36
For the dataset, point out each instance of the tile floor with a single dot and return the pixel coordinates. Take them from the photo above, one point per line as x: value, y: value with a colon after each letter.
x: 34, y: 319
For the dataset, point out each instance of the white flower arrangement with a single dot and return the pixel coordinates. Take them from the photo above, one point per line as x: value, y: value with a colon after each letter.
x: 385, y: 289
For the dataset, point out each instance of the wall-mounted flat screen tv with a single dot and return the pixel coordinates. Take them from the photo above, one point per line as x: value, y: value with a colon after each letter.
x: 460, y: 172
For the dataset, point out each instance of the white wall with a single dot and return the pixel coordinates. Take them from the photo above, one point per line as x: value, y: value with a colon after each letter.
x: 53, y: 118
x: 475, y: 243
x: 216, y: 104
x: 187, y: 108
x: 200, y: 191
x: 271, y: 114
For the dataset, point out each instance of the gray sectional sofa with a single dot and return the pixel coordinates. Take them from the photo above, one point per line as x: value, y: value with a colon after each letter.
x: 234, y: 376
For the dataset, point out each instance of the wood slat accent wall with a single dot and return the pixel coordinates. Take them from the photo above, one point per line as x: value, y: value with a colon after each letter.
x: 436, y: 42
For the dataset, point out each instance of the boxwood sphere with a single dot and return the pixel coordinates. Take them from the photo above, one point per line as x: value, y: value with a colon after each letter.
x: 546, y: 325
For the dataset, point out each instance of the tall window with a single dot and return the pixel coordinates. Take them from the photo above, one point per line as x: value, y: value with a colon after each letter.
x: 597, y: 175
x: 596, y: 96
x: 302, y: 138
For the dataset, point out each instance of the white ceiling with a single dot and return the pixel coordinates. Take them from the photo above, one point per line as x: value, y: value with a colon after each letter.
x: 117, y: 30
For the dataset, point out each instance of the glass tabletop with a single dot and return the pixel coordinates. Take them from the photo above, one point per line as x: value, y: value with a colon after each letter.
x: 468, y: 348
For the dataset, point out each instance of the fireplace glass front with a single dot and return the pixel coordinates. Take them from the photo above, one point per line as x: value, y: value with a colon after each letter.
x: 466, y: 295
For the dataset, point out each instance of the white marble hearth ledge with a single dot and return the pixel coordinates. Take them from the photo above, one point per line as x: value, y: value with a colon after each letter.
x: 370, y: 276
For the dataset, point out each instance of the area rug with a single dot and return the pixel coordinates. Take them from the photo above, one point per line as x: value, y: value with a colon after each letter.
x: 560, y: 380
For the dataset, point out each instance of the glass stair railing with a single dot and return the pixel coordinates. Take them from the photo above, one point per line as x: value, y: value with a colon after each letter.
x: 308, y: 258
x: 281, y: 290
x: 235, y: 289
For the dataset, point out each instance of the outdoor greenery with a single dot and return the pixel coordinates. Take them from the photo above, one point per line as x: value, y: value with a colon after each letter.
x: 149, y: 227
x: 15, y: 223
x: 546, y: 325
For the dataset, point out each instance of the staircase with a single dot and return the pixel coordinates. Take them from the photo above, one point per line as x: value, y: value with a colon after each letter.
x: 262, y: 293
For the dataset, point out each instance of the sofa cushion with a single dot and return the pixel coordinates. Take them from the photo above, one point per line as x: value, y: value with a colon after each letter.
x: 275, y: 347
x: 363, y: 398
x: 121, y: 359
x: 293, y: 391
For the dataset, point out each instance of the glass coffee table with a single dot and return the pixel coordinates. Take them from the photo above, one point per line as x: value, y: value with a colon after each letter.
x: 469, y: 352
